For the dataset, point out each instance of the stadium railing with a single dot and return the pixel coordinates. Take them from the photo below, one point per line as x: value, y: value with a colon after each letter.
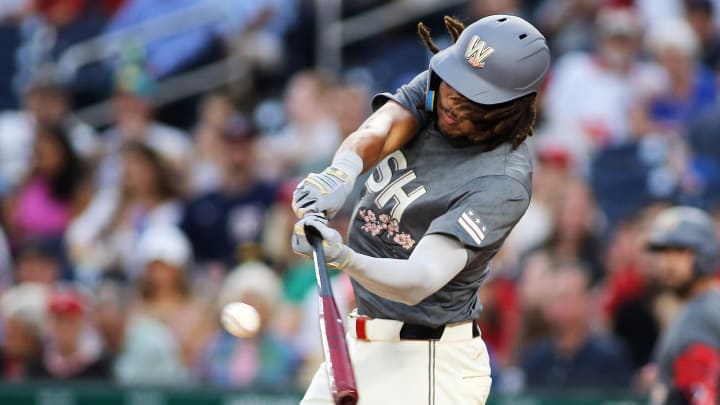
x: 38, y: 393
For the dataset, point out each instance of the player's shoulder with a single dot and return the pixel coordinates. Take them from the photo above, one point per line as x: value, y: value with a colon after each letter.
x: 505, y: 164
x: 495, y: 191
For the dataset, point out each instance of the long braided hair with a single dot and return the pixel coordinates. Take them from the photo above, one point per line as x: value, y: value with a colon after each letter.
x: 511, y: 121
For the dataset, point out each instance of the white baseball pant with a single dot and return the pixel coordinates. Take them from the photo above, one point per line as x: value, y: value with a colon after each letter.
x: 452, y: 370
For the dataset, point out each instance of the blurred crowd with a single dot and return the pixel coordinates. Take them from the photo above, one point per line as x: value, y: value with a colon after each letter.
x: 121, y: 243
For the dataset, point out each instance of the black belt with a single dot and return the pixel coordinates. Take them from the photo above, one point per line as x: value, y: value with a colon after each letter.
x: 411, y: 331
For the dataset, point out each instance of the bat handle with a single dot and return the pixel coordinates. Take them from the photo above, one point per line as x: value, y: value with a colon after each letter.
x: 315, y: 239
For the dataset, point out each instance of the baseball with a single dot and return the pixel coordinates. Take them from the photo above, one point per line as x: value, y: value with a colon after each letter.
x: 240, y: 319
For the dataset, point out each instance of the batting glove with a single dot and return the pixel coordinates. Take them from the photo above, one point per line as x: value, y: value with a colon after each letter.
x: 326, y: 192
x: 337, y: 255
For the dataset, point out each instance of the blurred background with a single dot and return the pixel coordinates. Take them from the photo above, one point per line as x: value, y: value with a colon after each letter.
x: 149, y: 150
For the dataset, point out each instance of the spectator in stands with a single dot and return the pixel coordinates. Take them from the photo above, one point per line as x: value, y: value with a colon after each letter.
x: 691, y: 87
x: 38, y: 262
x: 595, y: 90
x: 627, y: 294
x: 194, y: 41
x: 553, y: 170
x: 144, y: 349
x: 221, y: 221
x: 574, y: 356
x: 110, y: 312
x: 205, y: 173
x: 23, y: 311
x: 6, y: 269
x: 705, y: 144
x: 104, y: 236
x: 264, y: 360
x: 53, y: 28
x: 54, y: 191
x: 45, y: 106
x: 501, y: 311
x: 165, y: 291
x: 14, y: 9
x: 700, y: 15
x: 132, y: 107
x: 74, y: 349
x: 350, y: 105
x: 574, y: 231
x: 568, y: 24
x: 534, y: 276
x: 311, y: 134
x: 483, y: 8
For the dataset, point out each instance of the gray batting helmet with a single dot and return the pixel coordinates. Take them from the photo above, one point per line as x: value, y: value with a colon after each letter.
x: 688, y: 228
x: 496, y: 59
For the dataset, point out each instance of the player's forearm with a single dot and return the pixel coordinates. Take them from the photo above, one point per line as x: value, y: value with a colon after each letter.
x: 434, y: 262
x: 367, y: 143
x: 384, y: 132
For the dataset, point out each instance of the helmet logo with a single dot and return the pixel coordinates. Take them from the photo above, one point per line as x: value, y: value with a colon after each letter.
x: 477, y: 52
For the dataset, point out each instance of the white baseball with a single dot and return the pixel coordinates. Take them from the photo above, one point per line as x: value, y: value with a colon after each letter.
x: 240, y: 319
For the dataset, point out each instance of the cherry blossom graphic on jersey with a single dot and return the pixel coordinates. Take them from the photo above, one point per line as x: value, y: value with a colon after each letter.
x: 385, y: 227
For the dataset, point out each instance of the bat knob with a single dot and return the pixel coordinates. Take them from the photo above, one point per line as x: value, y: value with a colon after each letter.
x: 348, y: 397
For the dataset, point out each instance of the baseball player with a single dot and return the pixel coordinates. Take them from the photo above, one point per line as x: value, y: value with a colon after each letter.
x: 688, y: 355
x: 451, y: 177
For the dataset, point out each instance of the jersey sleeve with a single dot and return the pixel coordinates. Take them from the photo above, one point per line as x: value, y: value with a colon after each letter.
x: 411, y: 96
x: 484, y: 216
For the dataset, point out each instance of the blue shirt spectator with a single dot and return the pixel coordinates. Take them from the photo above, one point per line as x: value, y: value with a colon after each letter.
x: 600, y: 362
x: 573, y: 356
x: 222, y: 220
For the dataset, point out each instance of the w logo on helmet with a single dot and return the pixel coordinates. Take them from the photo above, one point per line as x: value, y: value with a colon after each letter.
x: 477, y: 52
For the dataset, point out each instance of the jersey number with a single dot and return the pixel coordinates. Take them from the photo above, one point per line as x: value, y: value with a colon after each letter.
x: 380, y: 183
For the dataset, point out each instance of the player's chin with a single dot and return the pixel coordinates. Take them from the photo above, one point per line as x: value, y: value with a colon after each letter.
x: 451, y: 131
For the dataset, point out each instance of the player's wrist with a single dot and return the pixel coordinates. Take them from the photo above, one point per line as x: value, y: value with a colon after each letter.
x: 353, y: 260
x: 349, y: 164
x: 348, y: 256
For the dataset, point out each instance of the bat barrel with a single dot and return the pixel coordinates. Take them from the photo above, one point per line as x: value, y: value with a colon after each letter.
x: 337, y: 358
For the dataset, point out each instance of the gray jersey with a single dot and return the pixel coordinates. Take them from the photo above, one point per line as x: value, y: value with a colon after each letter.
x: 694, y: 334
x: 434, y: 186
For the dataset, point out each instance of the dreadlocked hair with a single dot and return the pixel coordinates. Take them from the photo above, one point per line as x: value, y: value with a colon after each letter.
x: 511, y: 121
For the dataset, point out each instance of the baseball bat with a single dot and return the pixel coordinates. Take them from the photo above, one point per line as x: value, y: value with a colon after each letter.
x: 337, y: 358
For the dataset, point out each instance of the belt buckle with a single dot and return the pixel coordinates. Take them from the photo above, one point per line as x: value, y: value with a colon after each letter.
x: 411, y: 331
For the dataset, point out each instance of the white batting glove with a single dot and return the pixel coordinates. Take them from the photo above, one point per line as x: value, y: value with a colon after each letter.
x: 337, y: 255
x: 325, y: 192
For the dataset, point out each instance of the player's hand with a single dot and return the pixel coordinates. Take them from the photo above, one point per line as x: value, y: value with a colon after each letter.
x: 337, y: 254
x: 325, y: 192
